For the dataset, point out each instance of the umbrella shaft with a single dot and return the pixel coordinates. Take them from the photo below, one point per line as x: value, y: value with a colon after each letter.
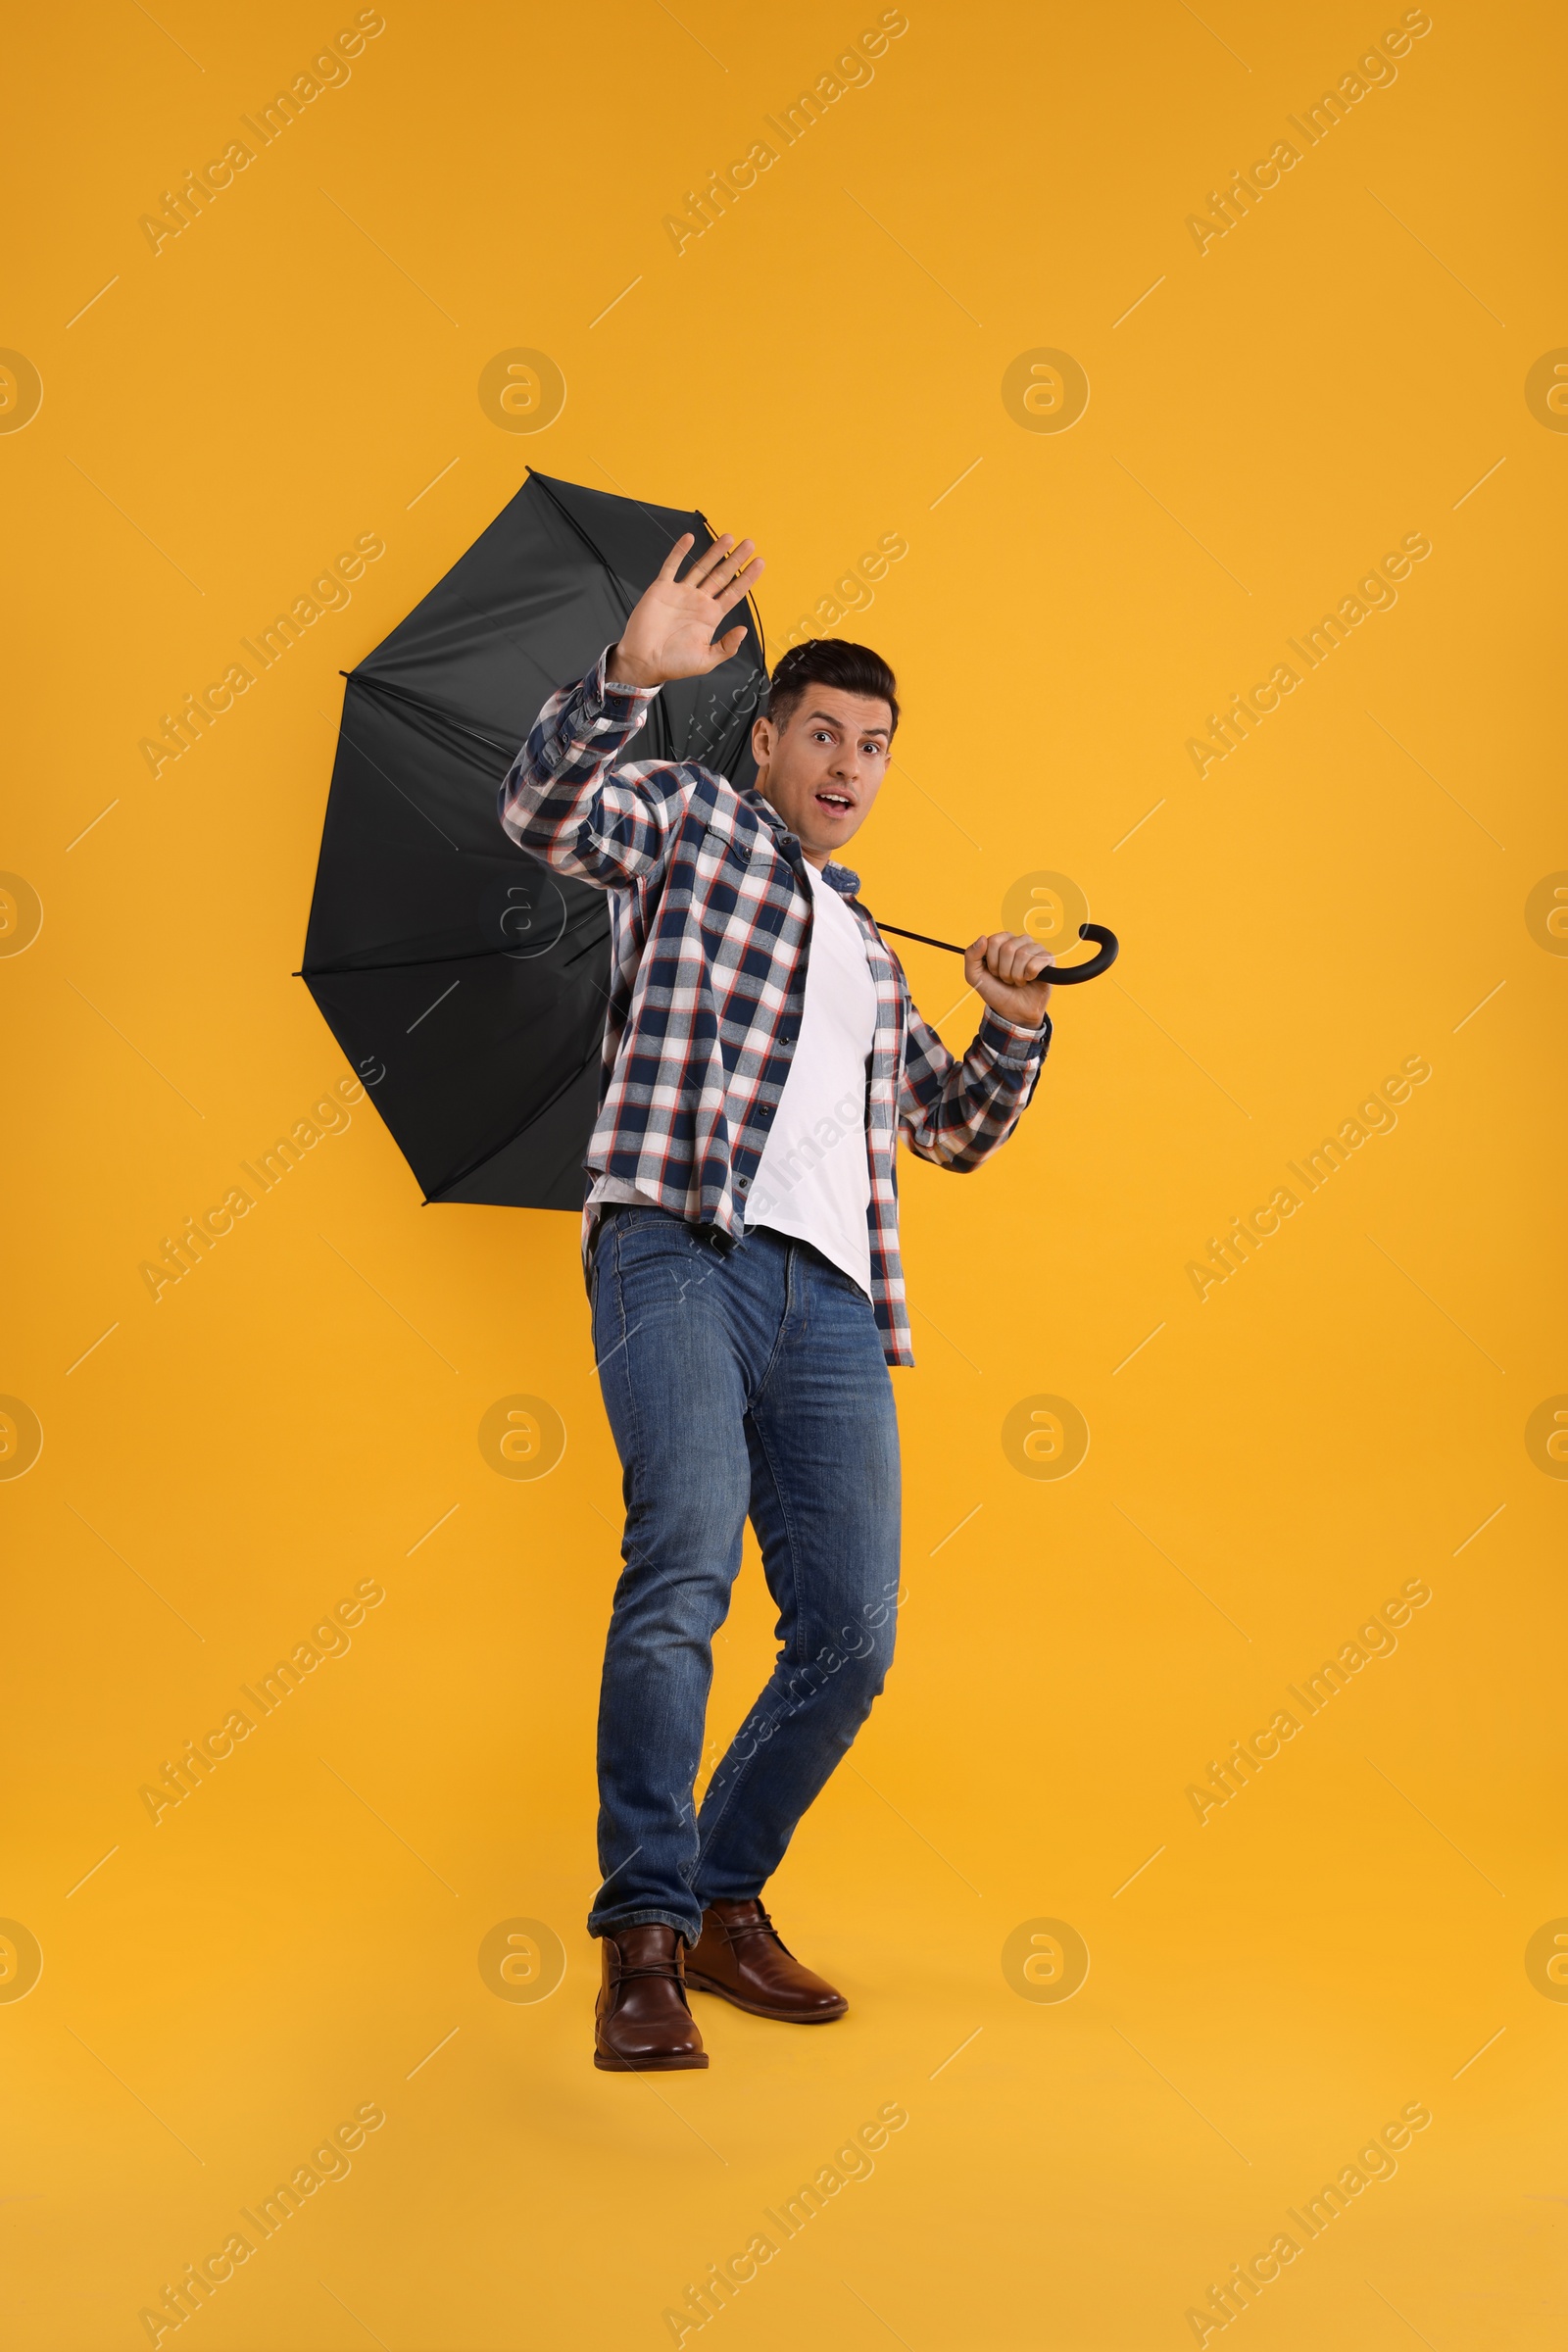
x: 924, y: 938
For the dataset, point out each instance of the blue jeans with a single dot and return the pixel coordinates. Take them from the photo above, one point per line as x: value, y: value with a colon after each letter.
x: 746, y: 1383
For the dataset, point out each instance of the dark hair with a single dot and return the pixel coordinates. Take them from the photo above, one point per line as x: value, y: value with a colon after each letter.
x: 831, y: 662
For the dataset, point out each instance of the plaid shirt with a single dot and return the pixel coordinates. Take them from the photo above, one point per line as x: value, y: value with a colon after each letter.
x: 711, y: 917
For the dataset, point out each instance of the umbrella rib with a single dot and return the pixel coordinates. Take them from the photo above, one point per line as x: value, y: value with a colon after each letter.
x: 360, y: 677
x: 345, y: 737
x: 415, y: 963
x: 572, y: 522
x: 641, y: 506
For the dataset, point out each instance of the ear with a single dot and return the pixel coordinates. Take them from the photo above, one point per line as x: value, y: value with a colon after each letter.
x: 764, y: 740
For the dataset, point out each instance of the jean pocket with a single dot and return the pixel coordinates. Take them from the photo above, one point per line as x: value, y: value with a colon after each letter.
x: 831, y: 1276
x: 639, y: 1236
x: 848, y: 1288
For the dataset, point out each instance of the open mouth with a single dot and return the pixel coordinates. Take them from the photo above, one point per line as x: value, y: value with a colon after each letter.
x: 839, y: 803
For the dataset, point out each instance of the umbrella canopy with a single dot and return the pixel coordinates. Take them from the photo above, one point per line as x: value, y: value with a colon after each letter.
x: 463, y: 980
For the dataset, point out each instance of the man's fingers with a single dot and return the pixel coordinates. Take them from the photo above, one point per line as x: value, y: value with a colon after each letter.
x: 721, y: 649
x: 743, y: 583
x: 1027, y: 958
x: 726, y: 648
x: 713, y: 565
x: 676, y: 557
x: 1015, y: 959
x: 708, y: 562
x: 720, y: 572
x: 724, y: 585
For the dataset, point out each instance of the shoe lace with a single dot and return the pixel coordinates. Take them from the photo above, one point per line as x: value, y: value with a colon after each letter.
x: 762, y: 1925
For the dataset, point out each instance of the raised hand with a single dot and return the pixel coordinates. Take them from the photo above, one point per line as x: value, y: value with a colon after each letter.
x: 1010, y: 974
x: 670, y: 632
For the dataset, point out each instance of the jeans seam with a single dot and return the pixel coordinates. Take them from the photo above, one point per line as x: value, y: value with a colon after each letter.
x: 743, y: 1770
x: 788, y: 1517
x: 780, y: 1336
x: 738, y: 1781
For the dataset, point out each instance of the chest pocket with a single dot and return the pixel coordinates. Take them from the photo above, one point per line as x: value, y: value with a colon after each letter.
x: 730, y: 873
x: 722, y: 853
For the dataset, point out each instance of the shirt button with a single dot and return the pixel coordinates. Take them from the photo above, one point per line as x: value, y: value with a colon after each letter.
x: 743, y: 1184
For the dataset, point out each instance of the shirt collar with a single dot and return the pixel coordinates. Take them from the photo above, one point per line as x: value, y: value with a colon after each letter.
x: 842, y: 878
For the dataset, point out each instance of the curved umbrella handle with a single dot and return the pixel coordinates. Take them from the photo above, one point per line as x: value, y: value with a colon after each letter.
x: 1110, y: 949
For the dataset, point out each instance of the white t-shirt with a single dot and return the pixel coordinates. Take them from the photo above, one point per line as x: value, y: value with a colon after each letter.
x: 813, y: 1180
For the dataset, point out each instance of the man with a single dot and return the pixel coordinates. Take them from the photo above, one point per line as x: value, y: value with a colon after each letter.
x: 761, y: 1059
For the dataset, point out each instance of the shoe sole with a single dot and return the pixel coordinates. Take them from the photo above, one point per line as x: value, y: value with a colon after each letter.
x: 778, y: 2017
x: 649, y: 2065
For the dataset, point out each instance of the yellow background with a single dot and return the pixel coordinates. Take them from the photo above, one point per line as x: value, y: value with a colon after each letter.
x: 293, y: 370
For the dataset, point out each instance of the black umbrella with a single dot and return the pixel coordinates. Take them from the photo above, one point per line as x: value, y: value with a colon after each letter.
x: 463, y: 980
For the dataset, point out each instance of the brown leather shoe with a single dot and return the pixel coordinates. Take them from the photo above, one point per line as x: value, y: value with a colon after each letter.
x: 642, y: 2024
x: 739, y: 1956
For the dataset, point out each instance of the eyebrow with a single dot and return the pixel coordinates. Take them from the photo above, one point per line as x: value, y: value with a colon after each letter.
x: 830, y: 721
